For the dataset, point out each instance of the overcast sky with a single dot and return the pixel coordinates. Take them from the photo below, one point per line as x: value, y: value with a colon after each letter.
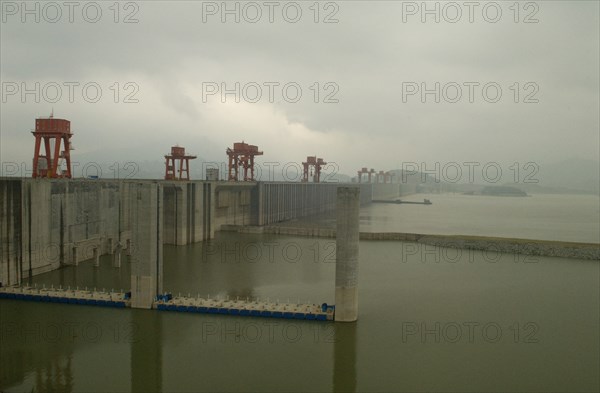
x: 370, y: 61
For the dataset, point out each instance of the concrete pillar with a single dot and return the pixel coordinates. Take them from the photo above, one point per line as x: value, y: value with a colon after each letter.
x: 75, y: 260
x: 146, y: 233
x: 346, y: 260
x: 176, y: 220
x: 96, y: 257
x: 182, y: 218
x: 116, y: 257
x: 117, y: 260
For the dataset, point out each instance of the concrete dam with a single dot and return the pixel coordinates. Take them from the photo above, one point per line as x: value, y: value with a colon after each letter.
x: 49, y: 223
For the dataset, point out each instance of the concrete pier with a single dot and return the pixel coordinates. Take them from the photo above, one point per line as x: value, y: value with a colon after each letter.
x: 346, y: 263
x: 116, y: 258
x: 146, y: 233
x: 96, y: 257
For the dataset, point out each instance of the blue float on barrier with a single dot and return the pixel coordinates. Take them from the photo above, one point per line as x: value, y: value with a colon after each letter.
x: 165, y: 297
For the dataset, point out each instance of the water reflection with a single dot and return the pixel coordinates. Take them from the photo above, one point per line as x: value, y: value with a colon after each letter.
x: 36, y: 348
x: 344, y: 357
x: 55, y: 376
x: 221, y: 353
x: 146, y: 351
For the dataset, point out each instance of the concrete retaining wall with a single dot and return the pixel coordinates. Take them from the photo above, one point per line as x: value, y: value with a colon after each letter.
x: 588, y: 251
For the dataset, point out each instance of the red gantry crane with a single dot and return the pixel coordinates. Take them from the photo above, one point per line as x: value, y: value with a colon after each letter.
x: 174, y: 171
x: 56, y: 136
x: 242, y: 155
x: 385, y: 176
x: 365, y: 171
x: 314, y: 166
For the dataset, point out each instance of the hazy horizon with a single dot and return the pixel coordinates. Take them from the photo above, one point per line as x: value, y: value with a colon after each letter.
x: 361, y: 61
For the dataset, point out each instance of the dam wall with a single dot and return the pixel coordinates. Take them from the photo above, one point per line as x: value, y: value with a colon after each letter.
x: 277, y: 202
x: 233, y: 204
x: 48, y: 223
x: 11, y: 252
x: 187, y: 212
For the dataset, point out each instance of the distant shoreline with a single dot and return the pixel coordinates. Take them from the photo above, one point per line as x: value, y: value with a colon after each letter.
x: 547, y: 248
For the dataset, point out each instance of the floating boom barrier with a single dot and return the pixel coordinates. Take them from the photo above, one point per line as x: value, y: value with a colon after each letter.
x: 313, y: 312
x: 166, y: 302
x: 67, y: 296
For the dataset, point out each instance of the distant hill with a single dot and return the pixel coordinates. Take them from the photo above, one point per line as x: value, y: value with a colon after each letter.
x: 573, y: 176
x: 502, y: 191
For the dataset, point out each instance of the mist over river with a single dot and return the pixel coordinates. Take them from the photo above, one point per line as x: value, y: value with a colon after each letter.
x: 571, y: 218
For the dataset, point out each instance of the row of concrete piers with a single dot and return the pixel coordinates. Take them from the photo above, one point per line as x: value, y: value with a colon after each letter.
x: 147, y: 260
x: 49, y: 223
